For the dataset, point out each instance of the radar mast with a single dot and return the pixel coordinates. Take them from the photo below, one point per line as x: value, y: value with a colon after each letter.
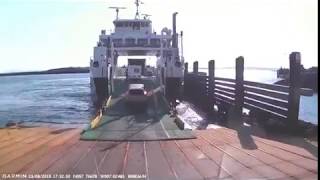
x: 137, y: 3
x: 117, y: 11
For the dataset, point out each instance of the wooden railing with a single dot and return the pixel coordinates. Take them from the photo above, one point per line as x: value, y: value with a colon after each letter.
x: 276, y: 100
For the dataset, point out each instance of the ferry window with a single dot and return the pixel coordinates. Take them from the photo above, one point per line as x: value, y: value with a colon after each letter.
x: 155, y: 42
x: 117, y: 42
x: 130, y: 41
x: 142, y: 41
x: 120, y: 24
x: 136, y: 25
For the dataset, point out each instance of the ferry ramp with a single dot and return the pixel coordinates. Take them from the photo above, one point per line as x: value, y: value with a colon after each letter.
x: 122, y: 122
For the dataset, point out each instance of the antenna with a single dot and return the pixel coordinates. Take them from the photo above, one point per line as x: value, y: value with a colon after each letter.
x: 117, y: 10
x: 137, y: 3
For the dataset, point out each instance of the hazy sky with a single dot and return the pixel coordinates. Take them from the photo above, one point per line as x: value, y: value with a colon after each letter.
x: 44, y: 34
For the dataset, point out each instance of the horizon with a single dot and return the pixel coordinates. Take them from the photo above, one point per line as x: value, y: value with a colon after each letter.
x: 43, y: 35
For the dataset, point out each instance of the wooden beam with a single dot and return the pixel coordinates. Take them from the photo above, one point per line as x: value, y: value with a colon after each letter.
x: 270, y: 107
x: 195, y: 67
x: 224, y: 84
x: 227, y: 89
x: 225, y: 79
x: 264, y: 92
x: 294, y: 89
x: 185, y: 68
x: 211, y: 68
x: 274, y: 87
x: 239, y: 89
x: 267, y: 99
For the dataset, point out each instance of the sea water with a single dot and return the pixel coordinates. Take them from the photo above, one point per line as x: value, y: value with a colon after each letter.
x: 65, y: 98
x: 56, y: 98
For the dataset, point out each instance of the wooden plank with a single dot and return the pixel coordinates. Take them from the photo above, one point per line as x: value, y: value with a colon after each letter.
x: 233, y: 167
x: 157, y: 165
x: 51, y: 157
x: 291, y: 169
x: 70, y: 159
x: 228, y: 94
x: 259, y: 163
x: 282, y: 142
x: 221, y: 96
x: 266, y: 99
x: 224, y: 100
x: 178, y: 162
x: 14, y: 136
x: 114, y: 162
x: 243, y: 158
x: 278, y: 153
x: 262, y: 105
x: 205, y: 166
x: 89, y: 164
x: 227, y: 89
x: 283, y: 155
x: 33, y: 156
x: 265, y: 156
x: 274, y: 114
x: 225, y: 79
x: 273, y: 87
x: 264, y: 92
x: 15, y: 146
x: 136, y: 163
x: 284, y: 145
x: 24, y: 149
x: 225, y: 84
x: 308, y: 164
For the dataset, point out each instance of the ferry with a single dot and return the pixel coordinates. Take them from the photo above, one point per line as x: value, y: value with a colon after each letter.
x: 131, y: 38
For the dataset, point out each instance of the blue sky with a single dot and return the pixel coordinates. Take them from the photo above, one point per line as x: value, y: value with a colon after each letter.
x: 44, y: 34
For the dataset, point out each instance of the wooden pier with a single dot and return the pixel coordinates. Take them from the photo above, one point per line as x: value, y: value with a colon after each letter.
x: 217, y: 153
x: 233, y: 95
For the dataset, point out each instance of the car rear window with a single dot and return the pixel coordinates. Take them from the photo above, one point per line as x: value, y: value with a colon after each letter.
x: 136, y: 92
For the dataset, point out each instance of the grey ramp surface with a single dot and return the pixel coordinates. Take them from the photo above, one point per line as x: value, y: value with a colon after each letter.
x: 120, y: 122
x: 124, y: 129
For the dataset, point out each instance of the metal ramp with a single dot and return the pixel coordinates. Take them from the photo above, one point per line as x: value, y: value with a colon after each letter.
x: 120, y: 123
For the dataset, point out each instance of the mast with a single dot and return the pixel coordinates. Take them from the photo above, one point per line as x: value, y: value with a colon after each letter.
x: 137, y: 3
x: 117, y: 11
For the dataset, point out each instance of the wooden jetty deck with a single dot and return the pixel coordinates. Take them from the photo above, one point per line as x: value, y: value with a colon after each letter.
x: 215, y: 154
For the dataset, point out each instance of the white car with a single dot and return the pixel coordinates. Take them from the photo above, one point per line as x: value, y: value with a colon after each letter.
x: 136, y: 94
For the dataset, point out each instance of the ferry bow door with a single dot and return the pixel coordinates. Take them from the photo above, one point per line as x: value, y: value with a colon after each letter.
x: 99, y: 72
x: 173, y: 79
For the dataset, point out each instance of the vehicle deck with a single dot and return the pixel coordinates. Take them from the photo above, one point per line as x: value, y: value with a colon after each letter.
x: 219, y: 153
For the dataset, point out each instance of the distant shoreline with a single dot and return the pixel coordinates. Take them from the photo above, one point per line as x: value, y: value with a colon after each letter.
x: 68, y: 70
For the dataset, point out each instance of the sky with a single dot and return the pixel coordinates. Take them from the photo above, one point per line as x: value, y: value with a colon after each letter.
x: 46, y: 34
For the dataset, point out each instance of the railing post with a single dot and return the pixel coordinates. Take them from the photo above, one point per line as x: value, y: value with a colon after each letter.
x: 239, y: 89
x: 195, y: 67
x: 185, y: 80
x: 211, y: 101
x: 186, y: 68
x: 294, y: 89
x: 193, y: 82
